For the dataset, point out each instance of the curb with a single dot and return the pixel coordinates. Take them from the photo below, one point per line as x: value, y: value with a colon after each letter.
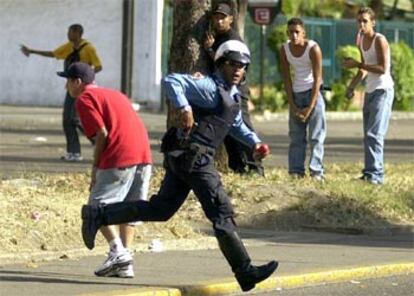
x: 391, y: 230
x: 330, y: 115
x: 272, y: 284
x: 150, y: 291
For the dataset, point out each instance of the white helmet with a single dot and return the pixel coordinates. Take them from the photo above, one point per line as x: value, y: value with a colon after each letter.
x: 233, y: 50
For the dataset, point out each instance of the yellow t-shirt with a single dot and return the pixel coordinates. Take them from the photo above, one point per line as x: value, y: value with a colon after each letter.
x: 87, y: 54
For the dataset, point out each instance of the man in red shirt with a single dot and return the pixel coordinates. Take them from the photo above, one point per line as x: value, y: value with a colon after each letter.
x: 122, y: 157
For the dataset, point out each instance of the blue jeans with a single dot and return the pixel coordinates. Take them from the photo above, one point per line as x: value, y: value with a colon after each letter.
x: 376, y: 115
x: 298, y: 136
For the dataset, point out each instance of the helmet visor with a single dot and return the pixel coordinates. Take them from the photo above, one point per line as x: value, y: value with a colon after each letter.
x: 237, y: 57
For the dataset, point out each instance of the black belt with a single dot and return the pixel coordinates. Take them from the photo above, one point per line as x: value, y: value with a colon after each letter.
x: 124, y: 168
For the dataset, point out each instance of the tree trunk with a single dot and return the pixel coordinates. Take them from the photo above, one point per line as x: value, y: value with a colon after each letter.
x: 186, y: 54
x: 241, y: 16
x: 378, y: 7
x: 190, y: 22
x: 394, y: 10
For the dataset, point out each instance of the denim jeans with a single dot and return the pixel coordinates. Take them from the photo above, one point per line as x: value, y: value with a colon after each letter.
x: 298, y: 136
x: 376, y: 115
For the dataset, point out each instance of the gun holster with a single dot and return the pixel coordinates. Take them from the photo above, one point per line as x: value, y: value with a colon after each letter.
x: 170, y: 141
x: 189, y: 159
x: 194, y: 153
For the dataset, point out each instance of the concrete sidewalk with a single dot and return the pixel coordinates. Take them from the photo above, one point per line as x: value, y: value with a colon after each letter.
x: 31, y: 139
x: 305, y: 258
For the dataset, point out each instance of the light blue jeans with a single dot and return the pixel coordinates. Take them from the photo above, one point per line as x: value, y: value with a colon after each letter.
x: 376, y: 115
x: 298, y: 136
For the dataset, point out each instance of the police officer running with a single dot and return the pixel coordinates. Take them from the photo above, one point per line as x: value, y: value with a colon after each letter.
x: 210, y: 110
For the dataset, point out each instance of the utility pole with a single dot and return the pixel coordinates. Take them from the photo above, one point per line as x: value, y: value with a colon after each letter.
x: 263, y: 13
x: 127, y: 47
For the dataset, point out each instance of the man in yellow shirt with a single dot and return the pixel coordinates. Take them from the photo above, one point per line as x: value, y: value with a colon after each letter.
x: 75, y: 50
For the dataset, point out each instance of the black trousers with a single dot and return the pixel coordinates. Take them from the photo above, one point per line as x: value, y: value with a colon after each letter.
x: 71, y: 124
x: 206, y: 184
x: 240, y: 157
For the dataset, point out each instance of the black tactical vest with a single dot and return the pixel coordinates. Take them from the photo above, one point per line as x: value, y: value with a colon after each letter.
x: 214, y: 124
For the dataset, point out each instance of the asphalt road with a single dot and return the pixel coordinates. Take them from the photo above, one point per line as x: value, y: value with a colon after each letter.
x: 31, y: 139
x: 389, y: 286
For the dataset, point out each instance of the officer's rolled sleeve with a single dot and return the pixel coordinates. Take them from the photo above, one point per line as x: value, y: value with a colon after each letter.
x: 184, y: 89
x: 174, y: 90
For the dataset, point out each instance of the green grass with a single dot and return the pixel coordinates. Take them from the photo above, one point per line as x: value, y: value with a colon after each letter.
x: 274, y: 202
x: 342, y: 201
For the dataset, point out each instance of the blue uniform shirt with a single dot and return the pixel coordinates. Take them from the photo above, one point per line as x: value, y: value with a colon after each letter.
x: 183, y: 90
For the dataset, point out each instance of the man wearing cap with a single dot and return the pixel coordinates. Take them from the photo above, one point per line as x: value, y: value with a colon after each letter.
x: 221, y: 29
x: 209, y: 109
x: 121, y: 160
x: 76, y: 49
x: 219, y: 32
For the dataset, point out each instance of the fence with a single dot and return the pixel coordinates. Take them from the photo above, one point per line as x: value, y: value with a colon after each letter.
x: 329, y: 33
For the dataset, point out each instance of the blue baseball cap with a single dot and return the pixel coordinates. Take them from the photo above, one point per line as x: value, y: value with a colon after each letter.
x: 79, y: 70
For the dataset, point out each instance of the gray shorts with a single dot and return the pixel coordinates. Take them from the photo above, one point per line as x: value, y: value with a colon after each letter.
x: 121, y: 184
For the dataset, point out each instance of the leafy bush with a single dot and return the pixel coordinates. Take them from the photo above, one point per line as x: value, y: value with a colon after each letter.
x: 314, y: 8
x: 338, y: 100
x: 275, y: 40
x: 402, y: 69
x: 274, y: 98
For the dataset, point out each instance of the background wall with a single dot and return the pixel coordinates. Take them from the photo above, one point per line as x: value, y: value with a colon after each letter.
x: 146, y: 76
x: 43, y: 24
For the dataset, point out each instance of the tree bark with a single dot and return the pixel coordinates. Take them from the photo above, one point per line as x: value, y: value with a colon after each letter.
x: 378, y: 7
x: 186, y: 55
x: 241, y: 16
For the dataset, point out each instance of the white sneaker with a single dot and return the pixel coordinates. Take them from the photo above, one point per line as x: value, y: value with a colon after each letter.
x: 72, y: 157
x: 114, y: 261
x: 67, y: 156
x: 77, y: 157
x: 126, y: 271
x: 319, y: 178
x: 122, y: 272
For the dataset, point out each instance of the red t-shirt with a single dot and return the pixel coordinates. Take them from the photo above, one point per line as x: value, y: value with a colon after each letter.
x: 127, y: 142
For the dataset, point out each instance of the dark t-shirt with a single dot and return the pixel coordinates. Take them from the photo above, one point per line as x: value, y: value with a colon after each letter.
x: 219, y: 39
x: 223, y: 37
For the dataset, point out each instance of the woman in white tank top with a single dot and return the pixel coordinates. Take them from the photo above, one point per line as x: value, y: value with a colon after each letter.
x: 306, y: 104
x: 379, y: 95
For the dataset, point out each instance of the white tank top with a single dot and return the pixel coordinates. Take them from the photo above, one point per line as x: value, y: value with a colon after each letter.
x: 302, y: 68
x: 376, y: 81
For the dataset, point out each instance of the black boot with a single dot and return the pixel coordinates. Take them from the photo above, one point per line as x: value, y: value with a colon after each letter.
x: 236, y: 254
x: 94, y: 217
x: 91, y: 222
x: 255, y: 274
